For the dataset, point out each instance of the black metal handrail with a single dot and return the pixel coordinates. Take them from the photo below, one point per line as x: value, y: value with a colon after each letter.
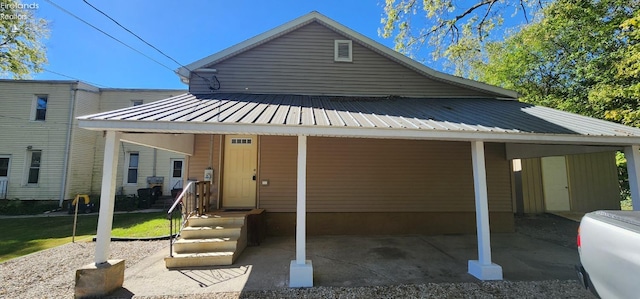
x: 188, y: 206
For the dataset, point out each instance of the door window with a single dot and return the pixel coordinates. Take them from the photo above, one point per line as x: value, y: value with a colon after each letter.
x: 177, y: 169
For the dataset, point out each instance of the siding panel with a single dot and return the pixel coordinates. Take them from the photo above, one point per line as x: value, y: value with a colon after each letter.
x: 371, y: 175
x: 593, y: 182
x: 301, y: 62
x: 532, y: 192
x: 18, y: 131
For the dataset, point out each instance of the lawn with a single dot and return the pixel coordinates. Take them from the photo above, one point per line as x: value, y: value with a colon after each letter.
x: 21, y: 236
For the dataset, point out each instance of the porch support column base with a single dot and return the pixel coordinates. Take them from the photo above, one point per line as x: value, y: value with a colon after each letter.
x: 99, y: 280
x: 485, y: 272
x: 301, y: 275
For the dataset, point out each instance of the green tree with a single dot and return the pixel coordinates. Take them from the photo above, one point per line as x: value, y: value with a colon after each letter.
x: 581, y: 56
x: 618, y: 95
x: 21, y: 35
x: 457, y: 30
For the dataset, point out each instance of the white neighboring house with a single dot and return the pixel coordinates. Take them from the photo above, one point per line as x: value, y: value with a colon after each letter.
x: 45, y: 156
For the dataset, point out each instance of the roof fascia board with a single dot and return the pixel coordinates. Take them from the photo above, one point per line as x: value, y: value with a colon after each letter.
x: 385, y: 133
x: 177, y: 143
x: 303, y: 20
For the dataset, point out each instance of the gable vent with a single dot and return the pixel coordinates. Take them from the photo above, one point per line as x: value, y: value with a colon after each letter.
x: 343, y: 51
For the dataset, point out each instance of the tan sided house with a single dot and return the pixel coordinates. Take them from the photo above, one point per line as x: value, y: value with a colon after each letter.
x: 45, y: 156
x: 332, y: 133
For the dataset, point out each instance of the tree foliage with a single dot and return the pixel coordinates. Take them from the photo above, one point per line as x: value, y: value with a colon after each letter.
x: 581, y: 56
x: 457, y: 30
x: 21, y: 35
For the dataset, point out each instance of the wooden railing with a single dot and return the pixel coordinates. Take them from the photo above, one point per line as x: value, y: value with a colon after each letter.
x: 193, y: 200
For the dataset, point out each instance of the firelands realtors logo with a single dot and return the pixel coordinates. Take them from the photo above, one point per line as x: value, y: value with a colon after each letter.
x: 16, y: 11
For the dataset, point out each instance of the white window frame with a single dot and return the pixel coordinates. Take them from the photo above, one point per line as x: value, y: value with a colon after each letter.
x: 27, y: 168
x: 34, y: 107
x: 127, y: 167
x: 336, y: 44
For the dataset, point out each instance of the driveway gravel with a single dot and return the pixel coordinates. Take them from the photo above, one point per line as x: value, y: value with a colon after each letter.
x: 50, y: 274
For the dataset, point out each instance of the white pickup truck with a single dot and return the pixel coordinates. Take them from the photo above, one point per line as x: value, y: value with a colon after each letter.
x: 609, y: 248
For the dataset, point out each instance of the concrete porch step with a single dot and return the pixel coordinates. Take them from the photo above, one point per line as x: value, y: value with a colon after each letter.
x: 221, y: 244
x: 214, y: 220
x: 184, y: 260
x: 207, y: 232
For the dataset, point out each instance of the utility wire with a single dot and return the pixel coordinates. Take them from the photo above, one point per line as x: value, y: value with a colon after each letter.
x: 107, y: 34
x: 63, y: 75
x: 211, y: 84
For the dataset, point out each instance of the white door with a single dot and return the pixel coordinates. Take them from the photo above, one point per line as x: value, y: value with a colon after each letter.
x: 554, y: 184
x: 239, y: 177
x: 4, y: 175
x: 177, y: 173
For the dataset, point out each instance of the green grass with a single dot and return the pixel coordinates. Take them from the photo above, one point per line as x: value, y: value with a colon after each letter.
x: 21, y: 236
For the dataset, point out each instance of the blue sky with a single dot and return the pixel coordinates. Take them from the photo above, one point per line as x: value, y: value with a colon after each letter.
x: 185, y: 30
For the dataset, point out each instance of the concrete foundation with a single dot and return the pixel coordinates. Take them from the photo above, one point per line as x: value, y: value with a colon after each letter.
x: 485, y: 272
x: 301, y: 275
x: 99, y: 280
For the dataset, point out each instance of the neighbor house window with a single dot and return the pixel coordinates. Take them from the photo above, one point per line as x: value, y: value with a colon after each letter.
x: 136, y: 102
x: 4, y: 166
x: 132, y: 168
x: 41, y: 108
x: 35, y: 160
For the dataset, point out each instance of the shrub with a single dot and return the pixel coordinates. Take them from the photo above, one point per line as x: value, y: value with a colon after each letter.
x: 26, y: 207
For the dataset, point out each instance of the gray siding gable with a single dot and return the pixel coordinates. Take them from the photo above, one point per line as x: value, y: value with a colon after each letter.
x: 302, y: 62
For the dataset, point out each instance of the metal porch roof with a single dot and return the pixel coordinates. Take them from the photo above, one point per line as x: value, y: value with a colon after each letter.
x: 488, y: 119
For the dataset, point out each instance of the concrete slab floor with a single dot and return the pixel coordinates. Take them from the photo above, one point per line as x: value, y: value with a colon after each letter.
x: 351, y: 261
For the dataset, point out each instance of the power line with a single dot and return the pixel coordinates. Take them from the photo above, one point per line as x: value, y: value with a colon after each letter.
x: 63, y: 75
x: 107, y: 34
x: 211, y: 85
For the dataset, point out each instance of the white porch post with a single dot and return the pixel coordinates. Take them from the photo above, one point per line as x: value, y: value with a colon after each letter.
x: 482, y: 268
x: 107, y: 196
x: 632, y: 154
x: 301, y: 269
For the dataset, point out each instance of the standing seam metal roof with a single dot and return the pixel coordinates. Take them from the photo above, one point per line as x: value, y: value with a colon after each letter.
x: 451, y: 115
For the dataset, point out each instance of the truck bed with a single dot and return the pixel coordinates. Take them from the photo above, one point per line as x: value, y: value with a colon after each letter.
x: 625, y: 219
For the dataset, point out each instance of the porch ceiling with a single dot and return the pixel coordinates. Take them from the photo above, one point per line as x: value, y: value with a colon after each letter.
x: 368, y: 117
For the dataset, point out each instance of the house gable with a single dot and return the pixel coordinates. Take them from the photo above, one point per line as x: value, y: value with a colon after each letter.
x: 302, y: 61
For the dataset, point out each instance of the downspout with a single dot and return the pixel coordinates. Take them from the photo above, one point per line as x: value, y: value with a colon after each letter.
x: 155, y: 160
x: 220, y: 149
x: 65, y: 164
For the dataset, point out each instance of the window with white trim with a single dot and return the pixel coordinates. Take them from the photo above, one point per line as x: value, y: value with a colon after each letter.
x: 34, y: 161
x: 40, y: 107
x: 343, y: 51
x: 133, y: 159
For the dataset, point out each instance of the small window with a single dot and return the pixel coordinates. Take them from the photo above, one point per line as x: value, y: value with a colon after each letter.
x: 40, y: 108
x: 132, y: 168
x: 240, y: 140
x: 343, y: 51
x: 4, y: 167
x: 136, y: 102
x: 35, y: 160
